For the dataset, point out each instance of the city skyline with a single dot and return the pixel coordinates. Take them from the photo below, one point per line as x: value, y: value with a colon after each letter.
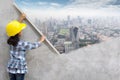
x: 72, y: 24
x: 73, y: 33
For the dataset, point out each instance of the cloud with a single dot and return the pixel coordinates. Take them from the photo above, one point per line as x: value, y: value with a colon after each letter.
x: 93, y: 4
x: 48, y: 4
x: 63, y: 13
x: 55, y: 4
x: 75, y: 8
x: 42, y: 3
x: 38, y: 4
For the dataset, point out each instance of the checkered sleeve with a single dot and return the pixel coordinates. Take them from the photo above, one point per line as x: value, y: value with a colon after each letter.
x: 30, y: 46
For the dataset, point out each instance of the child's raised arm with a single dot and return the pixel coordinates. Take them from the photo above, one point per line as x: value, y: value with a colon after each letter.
x: 22, y: 17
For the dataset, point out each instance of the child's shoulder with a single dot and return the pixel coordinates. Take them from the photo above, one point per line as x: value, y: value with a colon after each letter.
x: 22, y: 42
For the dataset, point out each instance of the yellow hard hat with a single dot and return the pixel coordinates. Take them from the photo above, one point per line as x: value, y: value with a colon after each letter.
x: 14, y: 27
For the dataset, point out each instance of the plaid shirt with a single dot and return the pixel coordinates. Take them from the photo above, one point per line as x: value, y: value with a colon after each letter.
x: 17, y: 62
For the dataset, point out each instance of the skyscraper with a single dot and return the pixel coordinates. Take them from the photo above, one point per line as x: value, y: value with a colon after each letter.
x: 74, y: 35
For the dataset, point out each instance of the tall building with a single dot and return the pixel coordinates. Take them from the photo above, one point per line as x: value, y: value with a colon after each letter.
x: 74, y: 35
x: 68, y: 46
x: 68, y: 21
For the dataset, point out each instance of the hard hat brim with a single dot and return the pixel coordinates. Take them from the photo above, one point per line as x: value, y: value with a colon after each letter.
x: 23, y: 26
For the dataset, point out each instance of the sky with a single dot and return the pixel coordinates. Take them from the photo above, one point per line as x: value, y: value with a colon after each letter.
x: 70, y: 3
x: 62, y: 8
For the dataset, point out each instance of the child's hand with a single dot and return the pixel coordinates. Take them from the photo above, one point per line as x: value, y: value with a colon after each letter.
x: 42, y: 38
x: 23, y: 16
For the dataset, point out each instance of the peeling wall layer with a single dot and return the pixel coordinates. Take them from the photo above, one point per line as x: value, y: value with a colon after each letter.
x: 97, y: 62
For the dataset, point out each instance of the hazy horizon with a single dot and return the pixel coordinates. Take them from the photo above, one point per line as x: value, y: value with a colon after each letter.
x: 60, y: 9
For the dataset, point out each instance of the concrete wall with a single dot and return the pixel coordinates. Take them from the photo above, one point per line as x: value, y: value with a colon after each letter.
x: 37, y: 59
x: 97, y: 62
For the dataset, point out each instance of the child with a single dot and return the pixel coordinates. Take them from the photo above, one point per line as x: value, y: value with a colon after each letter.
x: 17, y: 64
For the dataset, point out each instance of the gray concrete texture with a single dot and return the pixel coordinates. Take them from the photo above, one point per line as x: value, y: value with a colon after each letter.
x: 97, y: 62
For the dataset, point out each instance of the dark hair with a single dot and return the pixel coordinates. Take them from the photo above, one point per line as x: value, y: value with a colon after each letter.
x: 13, y: 40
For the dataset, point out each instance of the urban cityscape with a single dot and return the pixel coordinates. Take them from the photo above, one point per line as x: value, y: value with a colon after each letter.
x: 72, y: 33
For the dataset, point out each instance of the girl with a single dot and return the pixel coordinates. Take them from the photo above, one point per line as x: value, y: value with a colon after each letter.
x: 17, y: 64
